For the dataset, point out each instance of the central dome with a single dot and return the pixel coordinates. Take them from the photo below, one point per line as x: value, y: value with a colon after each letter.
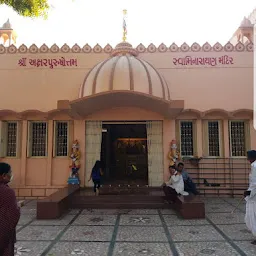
x: 123, y: 71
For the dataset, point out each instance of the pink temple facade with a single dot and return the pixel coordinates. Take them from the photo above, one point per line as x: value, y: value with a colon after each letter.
x: 199, y: 95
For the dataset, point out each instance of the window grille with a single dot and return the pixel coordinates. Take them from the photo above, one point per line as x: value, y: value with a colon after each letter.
x: 11, y: 150
x: 39, y: 139
x: 213, y: 138
x: 61, y: 138
x: 237, y: 138
x: 186, y: 138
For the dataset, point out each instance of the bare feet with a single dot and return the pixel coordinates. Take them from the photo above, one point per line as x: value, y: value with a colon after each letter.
x: 253, y: 242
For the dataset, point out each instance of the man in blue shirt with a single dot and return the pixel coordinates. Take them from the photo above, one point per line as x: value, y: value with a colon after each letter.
x: 189, y: 185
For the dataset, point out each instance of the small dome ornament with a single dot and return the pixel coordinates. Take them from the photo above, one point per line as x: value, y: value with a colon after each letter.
x: 124, y: 48
x: 246, y: 23
x: 7, y: 25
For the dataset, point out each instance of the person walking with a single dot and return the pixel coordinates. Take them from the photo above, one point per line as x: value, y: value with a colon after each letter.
x: 96, y: 175
x: 9, y: 212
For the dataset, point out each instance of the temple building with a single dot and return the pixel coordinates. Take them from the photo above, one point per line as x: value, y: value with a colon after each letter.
x: 126, y: 106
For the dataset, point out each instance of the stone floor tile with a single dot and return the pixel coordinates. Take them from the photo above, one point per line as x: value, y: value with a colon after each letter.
x: 226, y: 218
x: 34, y: 233
x: 101, y: 211
x: 63, y: 221
x: 246, y: 246
x: 194, y: 233
x: 206, y: 248
x: 142, y: 249
x: 235, y: 200
x: 95, y: 220
x: 218, y: 208
x: 237, y: 232
x: 143, y: 212
x: 140, y: 220
x: 73, y: 211
x: 31, y: 203
x: 88, y: 233
x: 80, y: 248
x: 28, y: 211
x: 141, y: 234
x: 18, y: 227
x: 168, y: 211
x: 174, y: 220
x: 212, y: 200
x: 28, y: 248
x: 25, y: 219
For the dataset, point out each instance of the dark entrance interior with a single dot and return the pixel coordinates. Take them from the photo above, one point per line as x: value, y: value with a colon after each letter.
x: 124, y: 154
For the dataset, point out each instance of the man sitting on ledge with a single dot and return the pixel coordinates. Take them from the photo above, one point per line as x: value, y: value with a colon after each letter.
x: 175, y: 185
x: 189, y: 185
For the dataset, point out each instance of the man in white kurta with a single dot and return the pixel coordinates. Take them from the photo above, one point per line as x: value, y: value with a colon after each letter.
x: 176, y: 182
x: 250, y: 195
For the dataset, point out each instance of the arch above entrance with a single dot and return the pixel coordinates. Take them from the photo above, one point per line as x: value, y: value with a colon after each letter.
x: 90, y: 104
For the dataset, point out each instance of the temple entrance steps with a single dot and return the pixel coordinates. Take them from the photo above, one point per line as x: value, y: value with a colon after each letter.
x: 115, y: 197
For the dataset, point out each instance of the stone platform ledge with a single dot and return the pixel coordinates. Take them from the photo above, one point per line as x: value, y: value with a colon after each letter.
x: 35, y: 192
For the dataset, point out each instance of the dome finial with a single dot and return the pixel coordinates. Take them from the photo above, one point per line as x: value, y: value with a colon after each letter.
x: 124, y: 25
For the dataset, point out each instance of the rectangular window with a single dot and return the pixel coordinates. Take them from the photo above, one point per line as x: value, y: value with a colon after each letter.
x: 237, y: 131
x: 11, y: 150
x: 61, y: 138
x: 213, y: 138
x: 186, y: 138
x: 38, y: 139
x: 9, y: 138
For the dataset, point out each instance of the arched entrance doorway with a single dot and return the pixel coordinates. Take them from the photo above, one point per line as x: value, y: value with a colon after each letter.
x: 130, y: 118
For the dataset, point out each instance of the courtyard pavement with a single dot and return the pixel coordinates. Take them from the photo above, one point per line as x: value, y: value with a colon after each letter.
x: 136, y: 232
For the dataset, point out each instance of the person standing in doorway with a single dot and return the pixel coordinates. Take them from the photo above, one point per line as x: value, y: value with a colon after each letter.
x: 96, y: 175
x: 250, y: 195
x: 9, y: 212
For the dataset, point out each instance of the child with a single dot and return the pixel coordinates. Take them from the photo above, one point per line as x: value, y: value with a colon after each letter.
x: 96, y: 176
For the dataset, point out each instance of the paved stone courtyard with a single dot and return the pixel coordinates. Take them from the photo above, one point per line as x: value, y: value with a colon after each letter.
x: 136, y: 232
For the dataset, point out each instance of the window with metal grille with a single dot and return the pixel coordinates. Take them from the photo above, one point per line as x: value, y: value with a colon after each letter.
x: 186, y: 138
x: 213, y: 138
x: 237, y: 138
x: 38, y: 138
x: 11, y: 145
x: 61, y: 138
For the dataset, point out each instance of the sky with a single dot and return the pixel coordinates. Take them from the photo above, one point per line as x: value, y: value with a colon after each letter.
x: 151, y: 21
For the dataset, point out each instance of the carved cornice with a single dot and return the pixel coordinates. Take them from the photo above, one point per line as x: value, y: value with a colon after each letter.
x: 108, y: 49
x: 208, y: 114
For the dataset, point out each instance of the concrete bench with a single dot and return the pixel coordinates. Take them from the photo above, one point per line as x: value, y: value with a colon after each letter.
x: 56, y: 204
x: 189, y: 207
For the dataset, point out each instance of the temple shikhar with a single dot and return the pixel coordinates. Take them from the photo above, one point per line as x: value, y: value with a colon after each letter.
x: 135, y: 108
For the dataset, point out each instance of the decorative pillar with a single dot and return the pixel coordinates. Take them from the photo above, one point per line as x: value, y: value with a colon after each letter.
x: 10, y: 38
x: 252, y: 136
x: 24, y: 140
x: 79, y: 134
x: 169, y: 134
x: 199, y: 138
x: 49, y: 153
x: 226, y: 150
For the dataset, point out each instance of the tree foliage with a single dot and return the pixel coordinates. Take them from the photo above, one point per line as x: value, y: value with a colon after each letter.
x: 28, y: 8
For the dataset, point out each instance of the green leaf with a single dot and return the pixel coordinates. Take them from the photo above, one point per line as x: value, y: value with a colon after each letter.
x: 29, y: 8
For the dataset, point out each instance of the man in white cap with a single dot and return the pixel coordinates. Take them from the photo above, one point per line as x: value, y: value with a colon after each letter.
x: 250, y: 195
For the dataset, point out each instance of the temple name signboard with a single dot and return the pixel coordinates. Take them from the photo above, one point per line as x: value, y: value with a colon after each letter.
x: 47, y: 62
x: 203, y: 61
